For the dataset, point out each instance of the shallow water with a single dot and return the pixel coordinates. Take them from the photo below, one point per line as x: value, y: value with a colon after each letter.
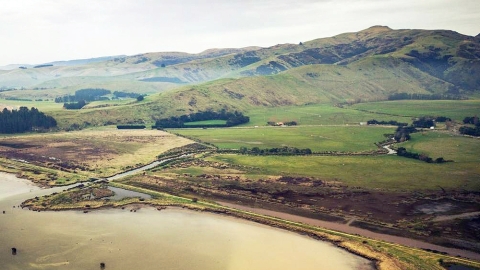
x: 121, y: 193
x: 11, y: 186
x: 151, y: 239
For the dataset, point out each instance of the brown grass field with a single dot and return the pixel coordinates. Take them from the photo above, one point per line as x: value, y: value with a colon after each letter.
x: 89, y: 153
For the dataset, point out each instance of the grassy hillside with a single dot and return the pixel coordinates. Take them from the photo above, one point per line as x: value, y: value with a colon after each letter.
x: 372, y: 80
x: 446, y: 55
x: 356, y: 67
x: 442, y: 55
x: 369, y: 80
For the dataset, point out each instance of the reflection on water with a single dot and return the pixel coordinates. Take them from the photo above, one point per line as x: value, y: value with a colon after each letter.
x: 151, y: 239
x: 121, y: 193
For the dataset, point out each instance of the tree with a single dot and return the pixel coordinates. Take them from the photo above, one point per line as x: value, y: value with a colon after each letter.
x: 140, y: 98
x: 24, y: 120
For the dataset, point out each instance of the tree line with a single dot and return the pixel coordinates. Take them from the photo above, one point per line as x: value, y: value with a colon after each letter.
x: 424, y: 122
x: 87, y: 94
x: 131, y: 126
x: 472, y: 131
x: 391, y: 122
x: 24, y: 120
x: 75, y: 105
x: 403, y: 133
x: 415, y: 96
x: 401, y: 151
x: 471, y: 120
x: 232, y: 118
x: 283, y: 151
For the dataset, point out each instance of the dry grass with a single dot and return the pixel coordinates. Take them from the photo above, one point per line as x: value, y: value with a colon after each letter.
x: 92, y: 153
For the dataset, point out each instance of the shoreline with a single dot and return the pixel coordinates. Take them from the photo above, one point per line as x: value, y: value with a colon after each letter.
x: 354, y: 243
x: 374, y: 258
x: 410, y: 242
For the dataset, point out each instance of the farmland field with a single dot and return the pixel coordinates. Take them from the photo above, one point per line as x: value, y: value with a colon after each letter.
x: 317, y: 138
x: 382, y: 172
x: 455, y: 109
x: 321, y: 114
x: 43, y: 106
x: 436, y: 144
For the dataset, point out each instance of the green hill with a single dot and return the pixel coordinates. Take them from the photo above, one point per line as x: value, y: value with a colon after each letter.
x: 443, y: 54
x: 368, y: 80
x: 364, y: 66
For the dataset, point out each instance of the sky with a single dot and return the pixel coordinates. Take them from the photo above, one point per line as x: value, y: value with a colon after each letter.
x: 40, y: 31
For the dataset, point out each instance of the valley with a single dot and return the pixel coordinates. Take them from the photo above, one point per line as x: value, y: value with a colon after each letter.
x: 327, y: 165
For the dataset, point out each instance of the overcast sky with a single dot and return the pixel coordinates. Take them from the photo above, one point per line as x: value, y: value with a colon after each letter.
x: 39, y: 31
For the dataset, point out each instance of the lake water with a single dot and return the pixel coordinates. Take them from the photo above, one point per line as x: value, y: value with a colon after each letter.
x: 150, y: 239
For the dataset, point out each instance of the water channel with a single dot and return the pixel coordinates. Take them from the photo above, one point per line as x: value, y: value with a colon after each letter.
x: 150, y: 239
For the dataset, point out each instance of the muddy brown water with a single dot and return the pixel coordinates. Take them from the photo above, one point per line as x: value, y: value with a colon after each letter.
x: 355, y: 230
x: 150, y: 239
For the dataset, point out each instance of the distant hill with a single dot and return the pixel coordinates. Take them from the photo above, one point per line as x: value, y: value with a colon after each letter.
x: 446, y: 55
x: 367, y: 80
x: 15, y: 66
x: 362, y: 66
x: 79, y: 62
x: 75, y: 62
x: 73, y: 75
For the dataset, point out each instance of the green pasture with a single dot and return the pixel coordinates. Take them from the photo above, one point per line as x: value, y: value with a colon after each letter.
x: 455, y: 109
x: 319, y: 114
x: 451, y: 147
x: 43, y: 106
x: 317, y: 138
x: 207, y: 122
x: 106, y: 103
x: 372, y: 172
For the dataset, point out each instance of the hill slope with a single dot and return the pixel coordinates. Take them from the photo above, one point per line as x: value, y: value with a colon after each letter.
x: 444, y: 54
x: 351, y: 67
x: 367, y: 80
